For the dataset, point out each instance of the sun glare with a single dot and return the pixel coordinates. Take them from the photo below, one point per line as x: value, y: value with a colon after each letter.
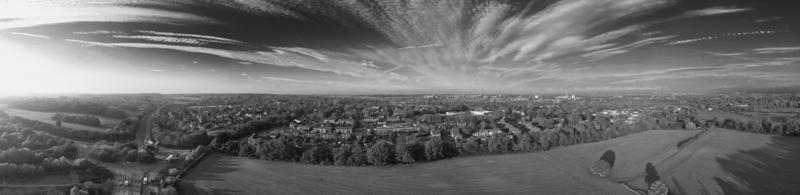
x: 23, y: 71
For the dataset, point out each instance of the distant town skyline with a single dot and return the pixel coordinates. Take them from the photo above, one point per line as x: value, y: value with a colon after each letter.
x: 404, y: 47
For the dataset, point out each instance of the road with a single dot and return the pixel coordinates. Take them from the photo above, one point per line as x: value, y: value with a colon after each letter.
x: 144, y: 126
x: 142, y: 134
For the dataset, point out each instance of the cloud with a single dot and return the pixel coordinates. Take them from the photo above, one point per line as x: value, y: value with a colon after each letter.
x: 278, y: 56
x: 773, y: 50
x: 601, y: 54
x: 436, y: 44
x: 714, y: 11
x: 196, y: 36
x: 30, y: 35
x: 768, y: 19
x: 720, y: 35
x: 36, y: 13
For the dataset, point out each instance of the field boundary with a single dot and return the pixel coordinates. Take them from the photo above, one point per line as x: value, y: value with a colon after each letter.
x: 192, y: 165
x: 689, y: 140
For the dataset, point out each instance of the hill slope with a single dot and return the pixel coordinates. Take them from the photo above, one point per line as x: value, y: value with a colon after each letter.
x: 691, y: 169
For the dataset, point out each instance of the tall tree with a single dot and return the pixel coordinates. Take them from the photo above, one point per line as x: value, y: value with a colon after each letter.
x: 381, y: 153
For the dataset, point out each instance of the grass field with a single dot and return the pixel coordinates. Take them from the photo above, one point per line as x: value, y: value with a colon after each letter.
x: 47, y: 118
x: 559, y: 171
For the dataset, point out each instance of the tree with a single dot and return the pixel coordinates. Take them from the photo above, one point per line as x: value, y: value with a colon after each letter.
x: 381, y: 153
x: 690, y: 125
x: 499, y: 143
x: 19, y: 156
x: 146, y: 156
x: 404, y: 152
x: 341, y: 154
x: 69, y: 151
x: 357, y: 156
x: 652, y: 174
x: 277, y: 149
x: 434, y: 149
x: 131, y: 156
x: 317, y: 155
x: 524, y: 144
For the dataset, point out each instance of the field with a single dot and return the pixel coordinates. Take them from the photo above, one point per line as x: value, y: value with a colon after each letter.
x: 47, y: 118
x: 705, y: 165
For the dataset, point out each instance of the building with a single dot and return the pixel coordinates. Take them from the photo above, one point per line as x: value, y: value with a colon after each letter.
x: 480, y: 113
x: 436, y: 133
x: 344, y: 129
x: 486, y: 132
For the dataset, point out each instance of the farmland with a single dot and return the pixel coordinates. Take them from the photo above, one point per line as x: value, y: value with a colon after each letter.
x: 559, y: 171
x: 46, y: 117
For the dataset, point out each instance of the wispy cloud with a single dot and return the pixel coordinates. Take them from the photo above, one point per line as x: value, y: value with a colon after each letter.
x: 773, y: 50
x: 601, y: 54
x: 719, y: 36
x: 34, y: 13
x: 769, y: 19
x: 30, y: 35
x: 279, y: 56
x: 444, y: 44
x: 714, y: 11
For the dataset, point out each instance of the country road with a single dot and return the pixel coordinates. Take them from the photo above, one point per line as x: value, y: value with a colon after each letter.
x: 144, y: 126
x: 142, y: 134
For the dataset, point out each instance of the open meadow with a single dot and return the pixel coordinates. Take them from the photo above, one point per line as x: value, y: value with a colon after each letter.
x: 46, y: 117
x: 710, y: 163
x: 559, y: 171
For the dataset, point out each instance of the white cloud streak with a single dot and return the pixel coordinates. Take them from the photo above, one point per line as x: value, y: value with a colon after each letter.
x: 714, y: 11
x: 30, y: 35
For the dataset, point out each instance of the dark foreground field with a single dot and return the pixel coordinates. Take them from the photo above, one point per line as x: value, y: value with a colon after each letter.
x: 705, y: 165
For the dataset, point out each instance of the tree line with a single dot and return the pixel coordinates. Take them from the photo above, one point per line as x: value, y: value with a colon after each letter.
x: 78, y: 135
x: 53, y: 105
x: 392, y: 149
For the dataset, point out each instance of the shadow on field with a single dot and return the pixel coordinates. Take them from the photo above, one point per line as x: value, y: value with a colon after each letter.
x: 610, y: 157
x: 768, y: 170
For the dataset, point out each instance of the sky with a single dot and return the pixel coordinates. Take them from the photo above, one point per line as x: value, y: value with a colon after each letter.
x: 404, y: 46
